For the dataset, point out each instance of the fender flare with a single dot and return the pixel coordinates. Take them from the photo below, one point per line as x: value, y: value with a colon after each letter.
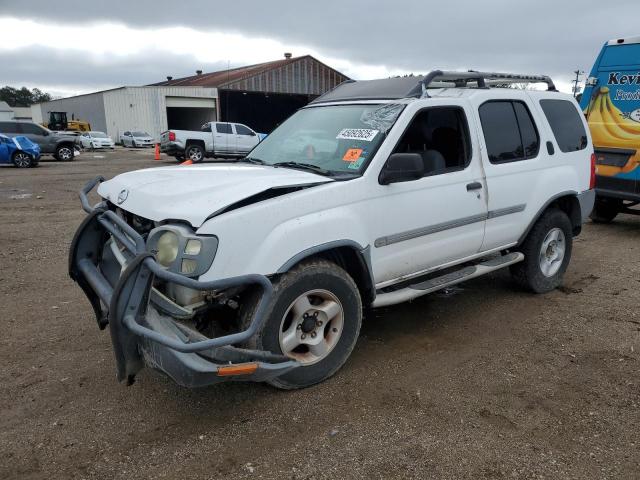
x: 567, y: 193
x: 362, y: 253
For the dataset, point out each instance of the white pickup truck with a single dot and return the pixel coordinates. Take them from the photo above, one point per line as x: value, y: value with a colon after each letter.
x: 376, y: 193
x: 215, y: 139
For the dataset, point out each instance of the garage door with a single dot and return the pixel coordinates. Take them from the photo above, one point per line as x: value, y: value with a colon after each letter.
x: 191, y: 102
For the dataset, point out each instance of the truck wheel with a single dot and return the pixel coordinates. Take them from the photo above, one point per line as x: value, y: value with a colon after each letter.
x: 314, y: 318
x: 605, y: 210
x: 547, y: 251
x: 22, y: 160
x: 64, y: 153
x: 194, y: 152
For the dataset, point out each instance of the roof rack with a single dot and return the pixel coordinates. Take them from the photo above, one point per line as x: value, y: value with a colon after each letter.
x: 403, y: 87
x: 439, y: 78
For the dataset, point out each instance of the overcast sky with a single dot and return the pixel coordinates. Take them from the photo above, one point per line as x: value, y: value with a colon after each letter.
x: 68, y: 47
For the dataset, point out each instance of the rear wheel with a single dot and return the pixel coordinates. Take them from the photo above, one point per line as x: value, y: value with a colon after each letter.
x: 64, y: 153
x: 194, y: 152
x: 314, y: 318
x: 605, y: 210
x: 547, y: 251
x: 22, y: 160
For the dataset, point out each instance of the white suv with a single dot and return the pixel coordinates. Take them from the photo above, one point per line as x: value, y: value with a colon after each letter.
x: 376, y: 193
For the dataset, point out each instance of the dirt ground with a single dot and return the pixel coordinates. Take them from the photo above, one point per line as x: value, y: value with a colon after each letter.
x: 483, y: 381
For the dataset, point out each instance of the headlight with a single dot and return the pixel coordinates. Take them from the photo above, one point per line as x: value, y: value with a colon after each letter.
x: 167, y: 248
x: 180, y: 250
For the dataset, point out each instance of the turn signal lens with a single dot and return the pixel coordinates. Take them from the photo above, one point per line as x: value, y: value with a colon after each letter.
x: 239, y: 369
x: 193, y: 247
x: 188, y: 266
x: 167, y: 248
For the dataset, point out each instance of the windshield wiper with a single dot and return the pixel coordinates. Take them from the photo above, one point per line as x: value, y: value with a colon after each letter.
x: 254, y: 160
x: 305, y: 166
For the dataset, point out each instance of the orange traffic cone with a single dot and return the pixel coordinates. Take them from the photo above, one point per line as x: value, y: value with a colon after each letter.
x: 157, y: 152
x: 187, y: 162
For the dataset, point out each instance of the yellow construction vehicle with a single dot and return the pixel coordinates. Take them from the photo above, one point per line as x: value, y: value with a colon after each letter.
x: 58, y: 122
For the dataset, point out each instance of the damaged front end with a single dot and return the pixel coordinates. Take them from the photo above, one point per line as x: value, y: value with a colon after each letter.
x: 124, y: 282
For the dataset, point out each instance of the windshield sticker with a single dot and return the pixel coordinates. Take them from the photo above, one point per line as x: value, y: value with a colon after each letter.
x: 382, y: 118
x: 356, y: 164
x: 352, y: 155
x: 357, y: 134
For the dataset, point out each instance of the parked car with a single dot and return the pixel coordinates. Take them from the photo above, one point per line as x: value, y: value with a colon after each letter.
x: 611, y: 102
x: 215, y: 139
x: 93, y: 140
x: 61, y: 146
x: 260, y: 269
x: 136, y: 139
x: 20, y: 151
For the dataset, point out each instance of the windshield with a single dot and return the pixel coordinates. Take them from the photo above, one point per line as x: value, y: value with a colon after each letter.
x: 335, y: 139
x: 140, y: 134
x: 98, y: 135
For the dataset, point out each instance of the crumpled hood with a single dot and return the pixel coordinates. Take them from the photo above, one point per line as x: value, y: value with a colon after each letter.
x: 193, y: 193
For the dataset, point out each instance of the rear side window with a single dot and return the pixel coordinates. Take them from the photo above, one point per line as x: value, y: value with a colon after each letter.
x: 566, y: 124
x: 8, y: 127
x: 242, y: 130
x: 509, y: 131
x: 31, y: 129
x: 223, y: 127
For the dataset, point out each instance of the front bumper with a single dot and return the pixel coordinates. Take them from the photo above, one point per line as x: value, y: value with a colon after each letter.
x: 142, y: 333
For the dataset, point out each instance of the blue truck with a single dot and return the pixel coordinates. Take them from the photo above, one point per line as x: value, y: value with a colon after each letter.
x: 611, y: 103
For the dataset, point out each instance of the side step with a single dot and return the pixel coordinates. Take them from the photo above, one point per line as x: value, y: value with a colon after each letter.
x: 438, y: 283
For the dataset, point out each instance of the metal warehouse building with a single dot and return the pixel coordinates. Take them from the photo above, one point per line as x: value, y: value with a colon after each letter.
x: 260, y: 96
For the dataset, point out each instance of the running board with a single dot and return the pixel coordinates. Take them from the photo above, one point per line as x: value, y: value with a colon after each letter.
x: 438, y: 283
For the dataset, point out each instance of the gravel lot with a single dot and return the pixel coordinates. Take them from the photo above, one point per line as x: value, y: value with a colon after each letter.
x: 483, y: 381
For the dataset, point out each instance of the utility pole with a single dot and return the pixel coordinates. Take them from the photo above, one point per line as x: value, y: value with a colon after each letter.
x: 576, y: 81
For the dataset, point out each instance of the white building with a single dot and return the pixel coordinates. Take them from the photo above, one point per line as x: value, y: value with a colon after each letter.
x: 6, y: 112
x: 151, y: 109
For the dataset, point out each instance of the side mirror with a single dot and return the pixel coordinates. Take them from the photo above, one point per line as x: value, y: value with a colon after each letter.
x: 401, y: 167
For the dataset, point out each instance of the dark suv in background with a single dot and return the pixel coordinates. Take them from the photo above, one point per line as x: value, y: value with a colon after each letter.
x: 61, y: 146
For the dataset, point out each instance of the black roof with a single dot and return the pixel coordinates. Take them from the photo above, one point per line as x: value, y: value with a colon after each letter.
x: 382, y: 89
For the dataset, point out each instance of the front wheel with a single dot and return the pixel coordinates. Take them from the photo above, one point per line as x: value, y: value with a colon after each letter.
x: 64, y: 153
x: 314, y: 318
x: 547, y: 251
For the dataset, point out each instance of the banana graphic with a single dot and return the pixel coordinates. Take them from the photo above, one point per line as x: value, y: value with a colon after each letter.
x: 626, y: 124
x: 609, y: 128
x: 608, y: 125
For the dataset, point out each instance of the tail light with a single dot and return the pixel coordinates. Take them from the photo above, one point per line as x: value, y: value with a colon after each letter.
x: 592, y: 182
x: 172, y: 136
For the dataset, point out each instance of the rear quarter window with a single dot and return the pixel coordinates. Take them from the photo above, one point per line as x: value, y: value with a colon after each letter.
x: 566, y: 124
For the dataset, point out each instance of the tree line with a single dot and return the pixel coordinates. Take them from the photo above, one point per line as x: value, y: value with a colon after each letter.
x: 23, y: 97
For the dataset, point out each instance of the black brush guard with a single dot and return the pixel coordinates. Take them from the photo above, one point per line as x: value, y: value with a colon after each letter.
x: 141, y: 334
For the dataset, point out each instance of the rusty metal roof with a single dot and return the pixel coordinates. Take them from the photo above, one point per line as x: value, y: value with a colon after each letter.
x: 225, y: 78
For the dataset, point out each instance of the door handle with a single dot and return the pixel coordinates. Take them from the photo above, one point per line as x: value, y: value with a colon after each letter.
x: 473, y: 186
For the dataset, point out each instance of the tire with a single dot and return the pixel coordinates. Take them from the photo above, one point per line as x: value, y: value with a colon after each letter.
x: 194, y: 152
x: 22, y: 160
x: 64, y: 153
x: 605, y: 210
x: 334, y: 330
x: 529, y: 273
